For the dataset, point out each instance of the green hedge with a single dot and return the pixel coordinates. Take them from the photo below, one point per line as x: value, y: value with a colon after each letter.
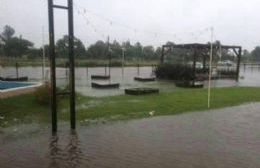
x: 176, y: 72
x: 228, y: 73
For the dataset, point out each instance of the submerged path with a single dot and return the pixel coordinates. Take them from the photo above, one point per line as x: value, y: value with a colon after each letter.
x: 223, y: 138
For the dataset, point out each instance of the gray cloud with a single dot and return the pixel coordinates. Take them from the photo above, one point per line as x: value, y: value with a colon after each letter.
x: 148, y: 21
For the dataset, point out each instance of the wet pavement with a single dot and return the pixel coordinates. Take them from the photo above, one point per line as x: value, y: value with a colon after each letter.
x: 223, y: 138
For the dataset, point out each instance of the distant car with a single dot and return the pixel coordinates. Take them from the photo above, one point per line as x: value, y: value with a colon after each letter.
x: 226, y: 63
x: 199, y: 65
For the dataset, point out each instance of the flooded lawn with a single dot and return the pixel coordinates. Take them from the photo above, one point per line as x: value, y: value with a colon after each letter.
x: 224, y: 138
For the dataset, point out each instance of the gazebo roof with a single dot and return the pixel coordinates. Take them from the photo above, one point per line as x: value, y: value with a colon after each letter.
x: 200, y: 46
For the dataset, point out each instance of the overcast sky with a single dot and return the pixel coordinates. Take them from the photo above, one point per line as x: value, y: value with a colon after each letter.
x: 152, y: 22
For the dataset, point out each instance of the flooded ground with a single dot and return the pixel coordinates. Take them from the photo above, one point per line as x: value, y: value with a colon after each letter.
x: 225, y: 138
x: 125, y: 77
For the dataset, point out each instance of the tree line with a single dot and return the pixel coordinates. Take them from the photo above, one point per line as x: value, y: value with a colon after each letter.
x: 14, y: 46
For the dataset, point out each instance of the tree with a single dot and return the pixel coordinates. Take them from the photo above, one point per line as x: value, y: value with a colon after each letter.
x: 148, y: 52
x: 13, y: 46
x: 256, y: 54
x: 47, y: 50
x: 138, y: 50
x: 116, y: 49
x: 17, y: 46
x: 169, y: 43
x: 5, y: 36
x: 246, y: 56
x: 1, y: 47
x: 97, y: 50
x: 129, y: 52
x: 7, y: 33
x: 34, y: 53
x: 62, y: 47
x: 157, y: 53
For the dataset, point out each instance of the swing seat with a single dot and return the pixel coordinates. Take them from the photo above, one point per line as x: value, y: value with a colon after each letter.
x: 101, y: 77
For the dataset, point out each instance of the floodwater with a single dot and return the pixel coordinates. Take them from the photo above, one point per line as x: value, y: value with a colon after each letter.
x: 251, y: 77
x: 225, y: 138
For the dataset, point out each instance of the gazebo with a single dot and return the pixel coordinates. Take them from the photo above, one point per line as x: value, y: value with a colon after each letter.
x: 202, y: 50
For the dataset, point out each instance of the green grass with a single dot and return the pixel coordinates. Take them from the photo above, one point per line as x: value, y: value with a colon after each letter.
x: 25, y: 108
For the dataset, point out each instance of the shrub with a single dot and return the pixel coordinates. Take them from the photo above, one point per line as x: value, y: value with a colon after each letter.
x: 43, y: 94
x: 228, y: 73
x: 116, y: 63
x: 176, y: 72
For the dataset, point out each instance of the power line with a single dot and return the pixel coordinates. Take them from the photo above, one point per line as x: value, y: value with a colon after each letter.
x: 195, y: 35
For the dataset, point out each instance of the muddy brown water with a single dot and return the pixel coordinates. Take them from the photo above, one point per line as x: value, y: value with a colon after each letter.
x: 224, y: 138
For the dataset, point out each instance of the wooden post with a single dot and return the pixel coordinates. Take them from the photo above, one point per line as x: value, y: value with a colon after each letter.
x: 43, y: 71
x: 17, y: 70
x: 138, y: 69
x: 72, y: 66
x: 51, y: 6
x: 52, y: 66
x: 43, y: 56
x: 238, y: 63
x: 109, y: 55
x: 123, y: 61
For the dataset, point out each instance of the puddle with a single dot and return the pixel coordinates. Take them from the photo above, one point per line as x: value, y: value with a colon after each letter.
x: 224, y: 138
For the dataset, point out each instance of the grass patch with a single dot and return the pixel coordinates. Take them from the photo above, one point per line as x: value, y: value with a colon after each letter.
x: 22, y: 109
x: 26, y: 109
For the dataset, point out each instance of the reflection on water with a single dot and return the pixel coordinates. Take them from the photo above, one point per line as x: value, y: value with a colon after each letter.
x: 55, y: 152
x: 70, y: 156
x: 74, y: 154
x: 224, y: 138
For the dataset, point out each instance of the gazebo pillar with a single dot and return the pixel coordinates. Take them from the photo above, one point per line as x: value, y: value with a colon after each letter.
x: 238, y: 63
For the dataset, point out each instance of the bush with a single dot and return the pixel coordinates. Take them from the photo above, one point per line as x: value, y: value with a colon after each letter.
x: 176, y: 72
x: 43, y: 94
x: 116, y: 63
x: 227, y: 73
